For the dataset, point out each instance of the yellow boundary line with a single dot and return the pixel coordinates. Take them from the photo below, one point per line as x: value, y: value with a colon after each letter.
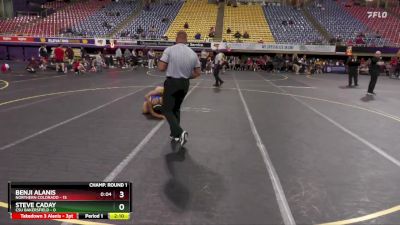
x: 366, y: 217
x: 6, y: 84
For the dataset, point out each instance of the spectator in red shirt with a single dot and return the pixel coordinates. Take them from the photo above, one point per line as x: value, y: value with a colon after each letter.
x: 32, y: 66
x: 249, y: 63
x: 393, y: 65
x: 350, y: 42
x: 70, y: 55
x: 59, y: 56
x: 360, y: 41
x: 78, y: 67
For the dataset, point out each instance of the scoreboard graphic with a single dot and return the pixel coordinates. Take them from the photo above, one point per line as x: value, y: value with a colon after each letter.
x: 69, y: 200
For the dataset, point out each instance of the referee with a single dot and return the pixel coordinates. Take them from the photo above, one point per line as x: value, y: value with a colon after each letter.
x: 181, y: 64
x: 374, y: 67
x: 218, y: 61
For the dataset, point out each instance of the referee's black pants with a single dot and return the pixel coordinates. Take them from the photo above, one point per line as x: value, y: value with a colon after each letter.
x: 353, y: 76
x: 218, y: 80
x: 175, y: 90
x: 372, y: 82
x: 203, y: 64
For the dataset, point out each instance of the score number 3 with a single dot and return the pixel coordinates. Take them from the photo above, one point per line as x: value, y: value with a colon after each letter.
x: 121, y: 206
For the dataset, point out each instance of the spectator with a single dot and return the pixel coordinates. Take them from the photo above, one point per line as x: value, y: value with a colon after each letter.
x: 127, y: 55
x: 186, y: 26
x: 165, y: 20
x: 260, y: 41
x: 70, y: 55
x: 360, y: 40
x: 291, y: 22
x: 237, y: 35
x: 164, y: 37
x: 147, y: 6
x: 32, y: 65
x: 394, y: 63
x: 197, y: 36
x: 350, y: 42
x: 249, y: 63
x: 83, y: 52
x: 237, y: 63
x: 296, y: 64
x: 152, y: 32
x: 118, y: 56
x: 135, y: 36
x: 246, y: 35
x: 287, y: 65
x: 43, y: 52
x: 78, y: 67
x: 209, y: 64
x: 203, y: 59
x: 261, y: 63
x: 110, y: 61
x: 228, y: 31
x: 211, y: 34
x: 98, y: 62
x: 59, y: 56
x: 318, y: 66
x: 139, y: 30
x: 284, y: 22
x: 151, y: 56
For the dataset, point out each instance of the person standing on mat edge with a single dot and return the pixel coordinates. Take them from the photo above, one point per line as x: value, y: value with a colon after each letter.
x: 353, y: 63
x: 218, y: 61
x: 181, y: 64
x: 374, y: 72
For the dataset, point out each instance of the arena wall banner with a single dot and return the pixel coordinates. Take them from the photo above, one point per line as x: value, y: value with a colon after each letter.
x: 17, y: 39
x: 272, y: 47
x: 122, y: 42
x: 100, y: 42
x: 170, y: 43
x: 66, y: 41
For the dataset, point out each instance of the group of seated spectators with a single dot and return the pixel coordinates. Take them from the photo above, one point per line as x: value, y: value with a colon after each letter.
x: 285, y: 22
x: 238, y: 35
x: 64, y: 60
x: 277, y: 63
x: 211, y: 34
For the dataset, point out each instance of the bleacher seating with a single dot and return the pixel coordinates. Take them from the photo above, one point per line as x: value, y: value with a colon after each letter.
x: 395, y: 10
x: 94, y: 24
x: 388, y: 27
x: 153, y: 17
x: 11, y: 24
x: 300, y: 32
x: 200, y: 16
x: 62, y: 19
x: 338, y: 22
x: 248, y: 18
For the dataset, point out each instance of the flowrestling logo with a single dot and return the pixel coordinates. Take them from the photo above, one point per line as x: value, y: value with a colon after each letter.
x: 380, y: 15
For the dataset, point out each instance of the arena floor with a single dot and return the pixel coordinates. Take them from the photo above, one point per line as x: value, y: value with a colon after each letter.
x: 263, y: 149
